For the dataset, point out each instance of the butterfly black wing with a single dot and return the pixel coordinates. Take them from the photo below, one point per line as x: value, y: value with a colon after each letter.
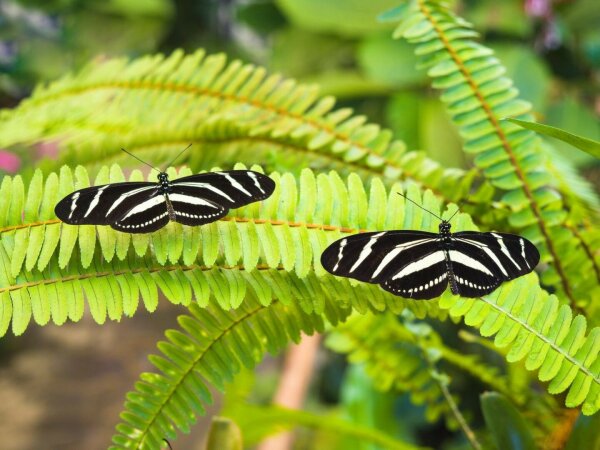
x: 100, y: 205
x: 142, y: 207
x: 406, y: 263
x: 482, y: 261
x: 204, y: 198
x: 420, y: 265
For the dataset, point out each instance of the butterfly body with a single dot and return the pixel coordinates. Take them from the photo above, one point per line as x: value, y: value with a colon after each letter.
x: 421, y: 265
x: 143, y: 207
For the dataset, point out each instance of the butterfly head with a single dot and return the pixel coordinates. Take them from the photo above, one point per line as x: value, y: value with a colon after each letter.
x: 163, y: 180
x: 445, y: 228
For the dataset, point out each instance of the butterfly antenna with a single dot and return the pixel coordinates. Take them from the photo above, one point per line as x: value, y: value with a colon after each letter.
x: 424, y: 209
x: 178, y: 155
x: 144, y: 162
x: 455, y: 212
x: 168, y: 443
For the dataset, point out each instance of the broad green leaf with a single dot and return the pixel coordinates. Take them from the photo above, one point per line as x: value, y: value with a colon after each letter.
x: 508, y: 428
x: 587, y: 145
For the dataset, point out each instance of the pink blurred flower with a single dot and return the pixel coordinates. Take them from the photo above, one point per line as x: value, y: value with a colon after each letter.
x: 47, y: 149
x: 9, y: 162
x: 538, y: 8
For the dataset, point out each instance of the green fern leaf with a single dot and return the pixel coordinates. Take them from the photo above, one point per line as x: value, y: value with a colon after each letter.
x: 535, y: 328
x: 226, y: 261
x: 210, y: 349
x: 478, y: 96
x: 395, y: 356
x: 235, y: 111
x: 285, y: 248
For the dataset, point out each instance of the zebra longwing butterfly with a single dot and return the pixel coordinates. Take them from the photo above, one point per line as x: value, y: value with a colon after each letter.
x: 143, y: 207
x: 419, y: 265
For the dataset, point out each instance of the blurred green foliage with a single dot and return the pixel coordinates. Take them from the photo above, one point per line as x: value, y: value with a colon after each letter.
x: 551, y: 51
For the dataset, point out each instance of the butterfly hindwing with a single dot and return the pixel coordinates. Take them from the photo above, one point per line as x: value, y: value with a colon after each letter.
x: 150, y: 214
x: 420, y: 279
x: 474, y: 272
x: 191, y: 210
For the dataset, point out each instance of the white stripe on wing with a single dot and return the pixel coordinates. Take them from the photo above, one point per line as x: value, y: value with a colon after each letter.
x: 144, y: 206
x: 421, y: 264
x: 235, y: 183
x: 466, y: 260
x: 95, y: 201
x: 395, y: 252
x: 487, y: 251
x: 125, y: 196
x: 208, y: 186
x: 366, y: 251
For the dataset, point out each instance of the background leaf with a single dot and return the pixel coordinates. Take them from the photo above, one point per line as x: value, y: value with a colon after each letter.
x: 508, y: 428
x: 587, y: 145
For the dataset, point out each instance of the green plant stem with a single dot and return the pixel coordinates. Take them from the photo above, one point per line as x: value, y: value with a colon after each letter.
x: 459, y: 417
x: 297, y: 417
x: 453, y: 407
x: 496, y: 383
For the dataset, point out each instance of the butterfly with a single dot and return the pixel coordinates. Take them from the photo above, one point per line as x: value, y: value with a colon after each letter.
x: 143, y: 207
x: 420, y: 265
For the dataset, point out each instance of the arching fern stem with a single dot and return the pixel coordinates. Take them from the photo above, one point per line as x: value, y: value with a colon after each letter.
x: 507, y: 147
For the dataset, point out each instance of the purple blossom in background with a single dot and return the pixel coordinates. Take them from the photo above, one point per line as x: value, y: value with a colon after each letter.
x: 9, y: 162
x: 550, y: 37
x: 39, y: 22
x: 8, y: 53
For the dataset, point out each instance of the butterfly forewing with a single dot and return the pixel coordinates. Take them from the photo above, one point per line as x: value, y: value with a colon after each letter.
x: 204, y: 198
x: 99, y: 205
x: 508, y: 254
x: 231, y: 189
x: 375, y: 257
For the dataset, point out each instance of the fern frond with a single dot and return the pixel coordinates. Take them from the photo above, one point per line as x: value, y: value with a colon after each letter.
x: 392, y: 359
x: 477, y: 96
x: 271, y: 248
x: 231, y: 111
x: 209, y: 350
x: 395, y: 357
x: 538, y: 329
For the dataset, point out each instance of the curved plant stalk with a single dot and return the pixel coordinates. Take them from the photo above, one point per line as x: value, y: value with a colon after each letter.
x: 265, y: 419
